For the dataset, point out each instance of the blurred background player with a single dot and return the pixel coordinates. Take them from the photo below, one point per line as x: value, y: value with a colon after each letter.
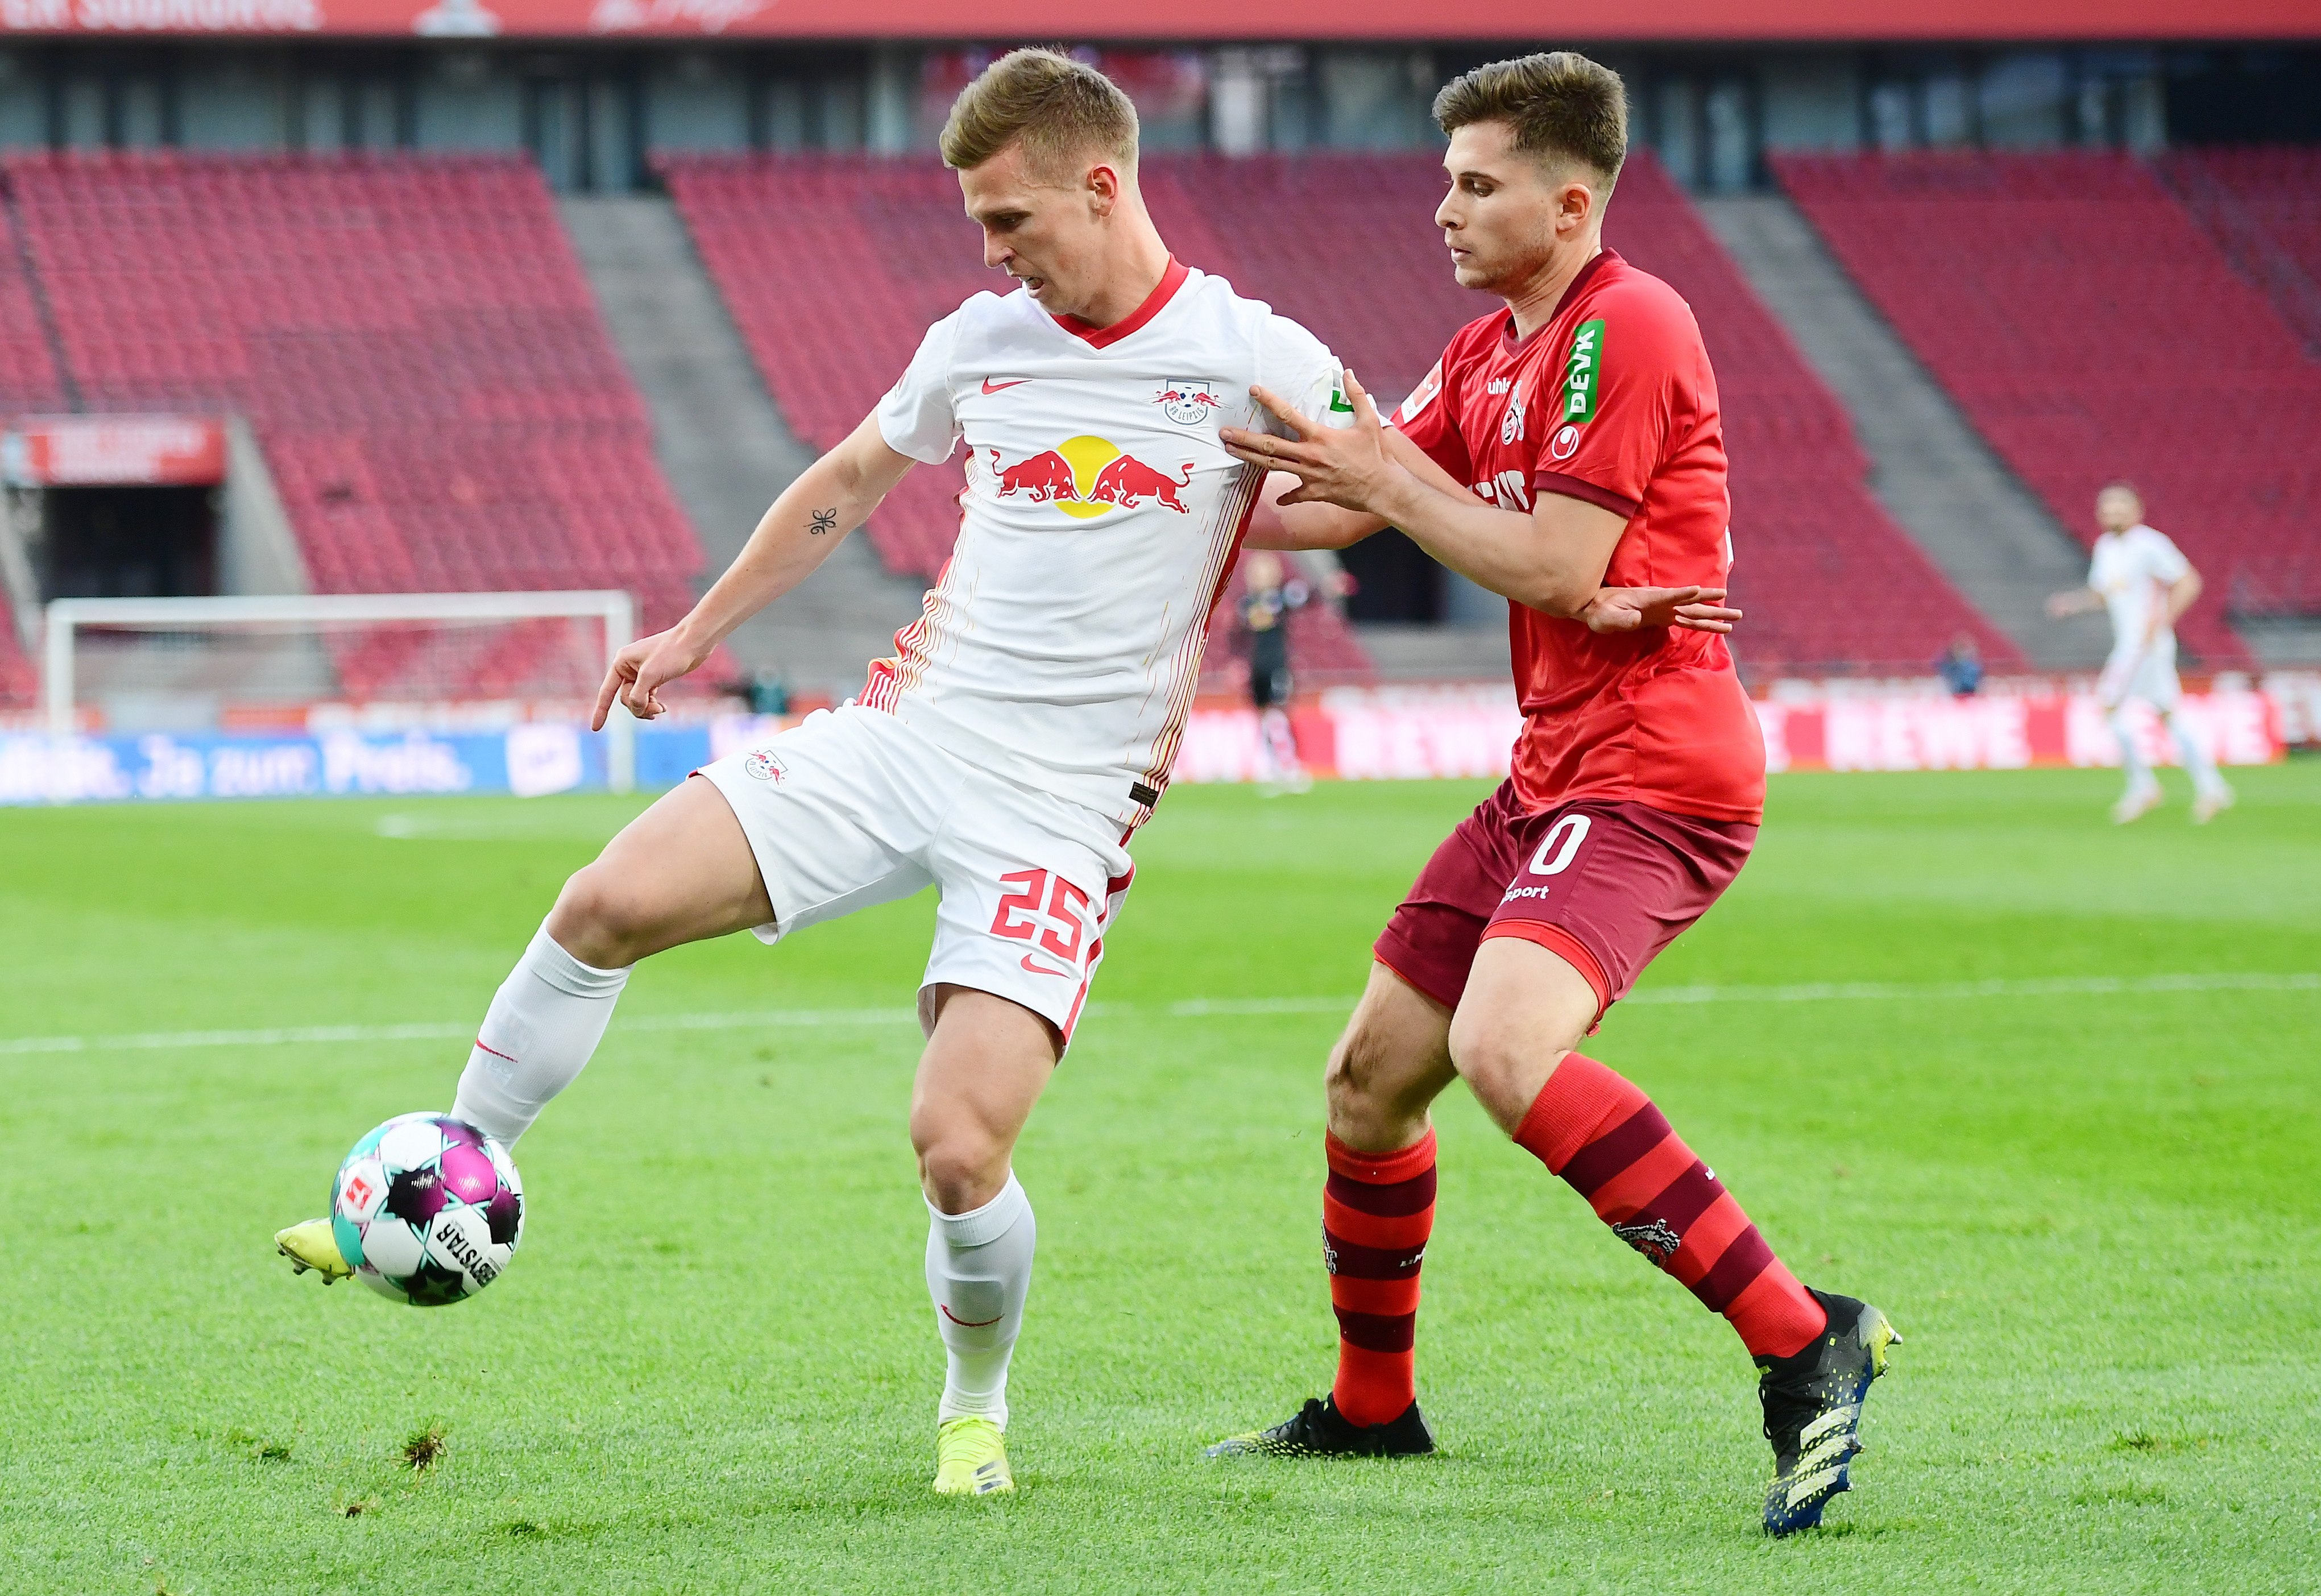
x: 2146, y: 583
x: 1270, y: 596
x: 1960, y: 666
x: 1586, y: 417
x: 1001, y: 756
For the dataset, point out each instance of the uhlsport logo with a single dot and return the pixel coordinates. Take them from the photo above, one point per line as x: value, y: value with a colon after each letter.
x: 1188, y: 400
x: 1086, y: 476
x: 1566, y: 443
x: 766, y: 765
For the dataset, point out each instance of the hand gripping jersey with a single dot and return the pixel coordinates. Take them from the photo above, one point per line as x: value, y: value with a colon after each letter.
x: 1062, y: 642
x: 1611, y: 402
x: 2132, y: 570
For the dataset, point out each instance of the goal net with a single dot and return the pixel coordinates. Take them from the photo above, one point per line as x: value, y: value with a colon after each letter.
x: 295, y: 662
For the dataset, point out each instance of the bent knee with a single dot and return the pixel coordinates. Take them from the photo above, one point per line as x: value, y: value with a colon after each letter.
x: 960, y: 1171
x: 1358, y: 1069
x: 600, y: 921
x: 1500, y: 1059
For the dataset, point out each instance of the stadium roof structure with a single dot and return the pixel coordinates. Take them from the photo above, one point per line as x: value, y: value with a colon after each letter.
x: 1208, y: 21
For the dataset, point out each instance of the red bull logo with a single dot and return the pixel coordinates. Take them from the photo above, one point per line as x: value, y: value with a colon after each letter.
x: 1086, y: 476
x: 1046, y: 475
x: 1128, y: 482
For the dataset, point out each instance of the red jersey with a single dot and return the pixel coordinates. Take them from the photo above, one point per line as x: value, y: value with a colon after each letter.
x: 1611, y: 402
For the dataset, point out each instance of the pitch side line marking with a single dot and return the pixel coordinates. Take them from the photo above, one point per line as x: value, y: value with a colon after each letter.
x: 2062, y: 986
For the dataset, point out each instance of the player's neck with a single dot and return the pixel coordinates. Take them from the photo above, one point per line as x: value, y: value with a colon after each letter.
x: 1534, y: 301
x: 1139, y: 260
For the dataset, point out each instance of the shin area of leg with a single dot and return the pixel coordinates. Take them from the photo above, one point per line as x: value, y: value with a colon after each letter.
x: 986, y: 1063
x: 680, y: 871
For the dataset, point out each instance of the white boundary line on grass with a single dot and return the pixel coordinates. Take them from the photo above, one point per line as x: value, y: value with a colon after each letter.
x: 2062, y: 986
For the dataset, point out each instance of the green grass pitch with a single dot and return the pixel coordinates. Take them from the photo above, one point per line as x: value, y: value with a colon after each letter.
x: 712, y: 1368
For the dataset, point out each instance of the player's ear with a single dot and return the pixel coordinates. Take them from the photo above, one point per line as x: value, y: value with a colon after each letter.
x: 1576, y: 204
x: 1103, y: 184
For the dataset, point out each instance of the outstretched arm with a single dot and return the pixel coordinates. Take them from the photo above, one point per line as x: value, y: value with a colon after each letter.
x: 1552, y: 560
x: 1314, y: 524
x: 2076, y: 601
x: 830, y: 499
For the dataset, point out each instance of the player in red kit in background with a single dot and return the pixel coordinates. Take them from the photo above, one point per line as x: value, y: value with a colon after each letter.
x: 1582, y: 419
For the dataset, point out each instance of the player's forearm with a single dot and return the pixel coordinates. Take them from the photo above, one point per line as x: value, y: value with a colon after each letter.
x: 829, y: 500
x: 1310, y: 526
x: 1502, y: 549
x: 2182, y: 593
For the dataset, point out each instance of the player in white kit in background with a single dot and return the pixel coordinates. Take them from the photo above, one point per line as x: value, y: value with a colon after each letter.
x: 2146, y: 583
x: 1025, y: 724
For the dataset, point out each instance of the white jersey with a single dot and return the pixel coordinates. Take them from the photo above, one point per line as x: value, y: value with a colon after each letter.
x: 1061, y: 645
x: 2132, y: 570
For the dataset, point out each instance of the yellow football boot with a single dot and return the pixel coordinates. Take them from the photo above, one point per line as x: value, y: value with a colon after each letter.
x: 312, y: 1245
x: 971, y: 1458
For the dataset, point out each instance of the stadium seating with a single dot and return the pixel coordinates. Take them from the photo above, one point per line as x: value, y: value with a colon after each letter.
x: 2263, y: 206
x: 2091, y: 330
x: 417, y: 350
x: 1829, y: 582
x: 834, y: 265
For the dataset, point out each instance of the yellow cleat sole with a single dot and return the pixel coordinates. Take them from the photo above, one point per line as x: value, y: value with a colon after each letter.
x: 311, y: 1245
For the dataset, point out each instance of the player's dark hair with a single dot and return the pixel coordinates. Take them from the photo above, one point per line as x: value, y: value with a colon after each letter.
x: 1558, y: 105
x: 1058, y: 108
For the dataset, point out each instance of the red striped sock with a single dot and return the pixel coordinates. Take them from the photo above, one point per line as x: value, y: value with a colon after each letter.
x: 1377, y: 1212
x: 1600, y: 1132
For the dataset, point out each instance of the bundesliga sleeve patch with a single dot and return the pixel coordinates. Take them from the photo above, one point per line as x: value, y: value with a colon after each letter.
x: 1420, y: 396
x: 1583, y: 373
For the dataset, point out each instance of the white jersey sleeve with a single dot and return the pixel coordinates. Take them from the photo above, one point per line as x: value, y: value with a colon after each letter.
x: 918, y: 417
x: 1300, y: 367
x: 2163, y: 560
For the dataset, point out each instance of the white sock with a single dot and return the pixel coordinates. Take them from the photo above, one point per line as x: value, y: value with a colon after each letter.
x: 979, y: 1273
x: 1280, y: 747
x: 2131, y: 757
x: 544, y: 1021
x: 2193, y: 757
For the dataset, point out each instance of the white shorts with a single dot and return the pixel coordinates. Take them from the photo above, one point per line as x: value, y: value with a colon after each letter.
x: 853, y: 809
x: 2148, y: 673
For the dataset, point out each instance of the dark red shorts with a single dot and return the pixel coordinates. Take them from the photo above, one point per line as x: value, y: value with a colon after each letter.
x: 1604, y: 886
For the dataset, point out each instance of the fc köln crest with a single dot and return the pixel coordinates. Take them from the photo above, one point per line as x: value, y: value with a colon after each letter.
x: 1188, y: 401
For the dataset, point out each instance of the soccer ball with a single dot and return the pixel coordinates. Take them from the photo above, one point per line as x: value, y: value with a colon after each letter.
x: 428, y: 1209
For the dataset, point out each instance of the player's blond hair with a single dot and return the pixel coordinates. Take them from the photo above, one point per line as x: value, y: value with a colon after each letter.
x: 1559, y: 104
x: 1059, y: 109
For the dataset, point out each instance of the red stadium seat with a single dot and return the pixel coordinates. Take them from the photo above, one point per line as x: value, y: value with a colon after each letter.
x: 2091, y: 329
x: 416, y: 349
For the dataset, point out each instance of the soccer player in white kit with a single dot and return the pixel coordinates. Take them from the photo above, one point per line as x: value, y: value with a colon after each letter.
x: 1024, y: 726
x: 2146, y: 583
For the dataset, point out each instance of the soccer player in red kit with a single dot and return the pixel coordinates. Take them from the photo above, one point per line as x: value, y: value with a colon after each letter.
x: 1567, y: 452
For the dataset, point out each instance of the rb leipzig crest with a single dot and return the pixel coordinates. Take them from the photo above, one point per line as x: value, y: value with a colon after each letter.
x: 1188, y: 401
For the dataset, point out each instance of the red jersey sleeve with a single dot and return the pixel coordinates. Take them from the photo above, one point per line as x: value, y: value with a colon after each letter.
x: 1429, y: 418
x: 1605, y: 426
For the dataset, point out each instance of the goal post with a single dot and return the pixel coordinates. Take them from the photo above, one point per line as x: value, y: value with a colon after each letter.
x: 320, y: 647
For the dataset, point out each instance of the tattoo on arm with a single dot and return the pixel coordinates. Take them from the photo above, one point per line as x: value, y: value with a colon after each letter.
x: 823, y: 521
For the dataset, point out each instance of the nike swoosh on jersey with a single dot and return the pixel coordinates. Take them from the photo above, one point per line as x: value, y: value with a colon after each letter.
x: 1042, y: 969
x: 990, y: 386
